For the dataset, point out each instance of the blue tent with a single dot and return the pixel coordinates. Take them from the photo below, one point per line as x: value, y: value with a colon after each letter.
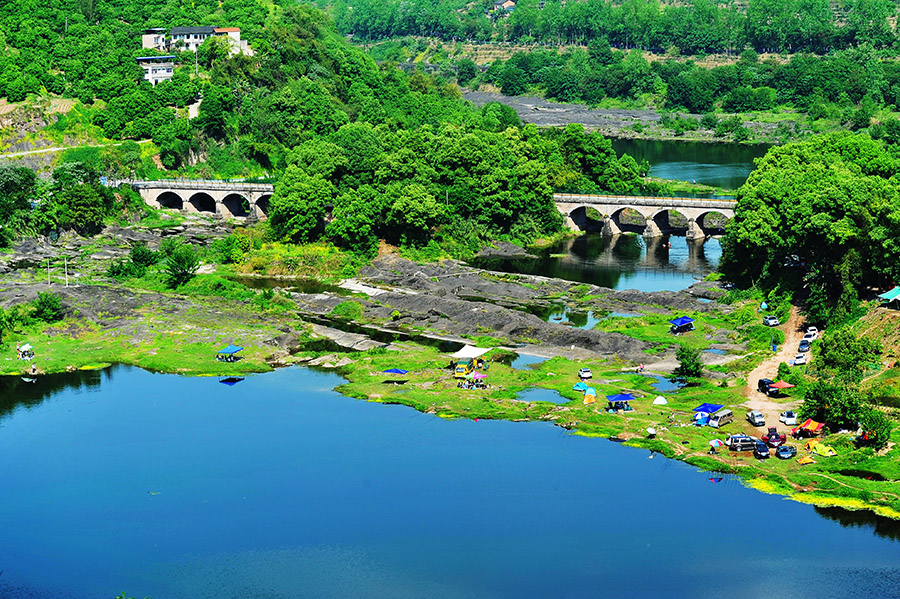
x: 681, y: 321
x: 620, y: 397
x: 230, y: 350
x: 709, y: 408
x: 395, y: 371
x: 590, y: 391
x: 580, y: 386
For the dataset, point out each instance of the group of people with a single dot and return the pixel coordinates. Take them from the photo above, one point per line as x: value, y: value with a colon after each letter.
x: 466, y: 384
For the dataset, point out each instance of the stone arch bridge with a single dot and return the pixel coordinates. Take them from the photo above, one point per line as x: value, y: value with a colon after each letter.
x: 656, y: 211
x: 230, y: 199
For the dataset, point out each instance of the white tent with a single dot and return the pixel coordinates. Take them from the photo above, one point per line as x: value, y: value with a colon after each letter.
x: 470, y: 352
x: 660, y: 401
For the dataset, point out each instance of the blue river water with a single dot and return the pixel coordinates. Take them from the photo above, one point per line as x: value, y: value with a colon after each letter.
x: 279, y: 487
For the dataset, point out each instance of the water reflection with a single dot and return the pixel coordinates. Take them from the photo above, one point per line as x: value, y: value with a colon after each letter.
x: 15, y: 392
x: 667, y: 263
x: 881, y: 526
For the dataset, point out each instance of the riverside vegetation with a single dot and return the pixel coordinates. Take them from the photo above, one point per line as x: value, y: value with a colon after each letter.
x: 409, y: 168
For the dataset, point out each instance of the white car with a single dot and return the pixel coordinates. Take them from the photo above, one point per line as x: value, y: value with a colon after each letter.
x: 585, y: 373
x: 814, y: 331
x: 810, y: 337
x: 800, y: 359
x: 788, y: 418
x: 771, y: 321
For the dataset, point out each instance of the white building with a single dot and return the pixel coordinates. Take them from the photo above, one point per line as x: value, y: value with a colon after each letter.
x: 156, y: 68
x: 191, y: 38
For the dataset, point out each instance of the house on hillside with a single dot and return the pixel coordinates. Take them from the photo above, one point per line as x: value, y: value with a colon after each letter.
x: 191, y: 38
x: 156, y: 68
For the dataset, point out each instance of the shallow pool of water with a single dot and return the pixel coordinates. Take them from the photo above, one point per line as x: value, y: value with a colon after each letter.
x: 525, y: 361
x: 538, y: 394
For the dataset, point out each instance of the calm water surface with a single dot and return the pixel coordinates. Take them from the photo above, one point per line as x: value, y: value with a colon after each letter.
x: 668, y: 263
x: 279, y: 487
x: 719, y: 165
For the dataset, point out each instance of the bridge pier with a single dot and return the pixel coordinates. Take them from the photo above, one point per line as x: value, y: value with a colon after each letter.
x: 610, y: 228
x: 651, y: 229
x: 694, y: 231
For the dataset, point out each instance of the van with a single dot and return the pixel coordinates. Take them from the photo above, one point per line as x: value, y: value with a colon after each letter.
x: 721, y: 418
x: 741, y: 442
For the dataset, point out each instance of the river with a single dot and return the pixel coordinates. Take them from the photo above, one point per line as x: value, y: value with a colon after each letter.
x: 278, y: 487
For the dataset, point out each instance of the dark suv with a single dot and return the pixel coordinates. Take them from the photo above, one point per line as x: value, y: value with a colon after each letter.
x: 761, y: 451
x: 765, y: 386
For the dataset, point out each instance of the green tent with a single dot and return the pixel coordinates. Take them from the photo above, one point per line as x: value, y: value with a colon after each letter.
x: 891, y: 295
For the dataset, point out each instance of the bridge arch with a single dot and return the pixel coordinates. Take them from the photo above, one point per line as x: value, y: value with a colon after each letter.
x: 586, y: 219
x: 170, y: 199
x: 631, y: 219
x: 203, y: 202
x: 262, y: 205
x: 668, y: 220
x: 235, y: 204
x: 713, y: 222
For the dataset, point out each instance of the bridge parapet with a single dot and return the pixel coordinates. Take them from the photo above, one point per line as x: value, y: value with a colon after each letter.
x: 204, y: 185
x: 238, y: 199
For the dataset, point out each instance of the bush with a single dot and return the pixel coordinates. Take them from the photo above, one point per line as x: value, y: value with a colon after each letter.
x: 125, y: 269
x: 689, y: 364
x: 181, y: 265
x: 47, y: 307
x: 349, y: 310
x: 141, y: 255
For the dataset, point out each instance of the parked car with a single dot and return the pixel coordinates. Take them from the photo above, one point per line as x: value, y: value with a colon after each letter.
x: 765, y: 386
x: 585, y: 373
x: 773, y: 438
x: 740, y: 442
x: 786, y: 452
x: 800, y: 359
x: 788, y: 418
x: 812, y: 331
x: 804, y: 346
x: 810, y: 337
x: 771, y: 321
x: 756, y: 418
x: 761, y: 451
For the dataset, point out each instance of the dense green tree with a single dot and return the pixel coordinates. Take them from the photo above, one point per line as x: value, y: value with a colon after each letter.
x: 689, y: 364
x: 847, y: 355
x: 298, y: 205
x: 837, y: 405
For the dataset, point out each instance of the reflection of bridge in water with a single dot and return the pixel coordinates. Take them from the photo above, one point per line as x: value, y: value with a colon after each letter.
x: 234, y: 199
x: 656, y: 212
x: 620, y: 254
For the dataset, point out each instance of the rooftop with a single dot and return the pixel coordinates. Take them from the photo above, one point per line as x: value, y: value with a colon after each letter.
x: 227, y: 29
x: 189, y: 30
x: 157, y: 58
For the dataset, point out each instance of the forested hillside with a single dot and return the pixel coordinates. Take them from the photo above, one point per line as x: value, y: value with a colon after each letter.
x: 392, y: 156
x: 691, y: 27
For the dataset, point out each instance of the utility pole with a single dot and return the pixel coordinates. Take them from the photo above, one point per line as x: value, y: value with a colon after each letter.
x: 48, y: 272
x: 66, y: 264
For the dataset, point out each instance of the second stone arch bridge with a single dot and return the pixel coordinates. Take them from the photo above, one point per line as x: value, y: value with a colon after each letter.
x: 697, y: 217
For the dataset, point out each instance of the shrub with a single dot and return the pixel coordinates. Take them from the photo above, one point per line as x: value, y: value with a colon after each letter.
x: 349, y: 309
x: 125, y: 269
x: 181, y: 265
x: 141, y: 255
x: 689, y: 364
x: 47, y: 307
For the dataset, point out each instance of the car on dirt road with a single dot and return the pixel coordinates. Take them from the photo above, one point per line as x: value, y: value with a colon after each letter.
x: 585, y: 373
x: 773, y: 438
x: 804, y: 346
x: 810, y: 337
x: 761, y: 451
x: 765, y: 386
x: 771, y: 321
x: 788, y: 418
x: 800, y: 359
x: 756, y: 418
x: 740, y: 442
x: 812, y: 331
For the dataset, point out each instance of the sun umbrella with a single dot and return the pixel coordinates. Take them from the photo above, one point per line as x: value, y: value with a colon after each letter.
x: 580, y: 386
x: 478, y: 375
x: 780, y: 385
x: 395, y: 371
x: 716, y: 443
x: 590, y: 391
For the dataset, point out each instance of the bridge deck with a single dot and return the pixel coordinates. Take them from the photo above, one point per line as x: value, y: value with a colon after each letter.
x: 574, y: 198
x: 201, y: 184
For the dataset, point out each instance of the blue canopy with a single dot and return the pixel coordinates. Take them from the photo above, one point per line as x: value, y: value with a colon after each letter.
x: 590, y: 391
x: 620, y: 397
x: 681, y: 321
x: 580, y: 386
x: 709, y: 408
x: 395, y: 371
x: 231, y: 349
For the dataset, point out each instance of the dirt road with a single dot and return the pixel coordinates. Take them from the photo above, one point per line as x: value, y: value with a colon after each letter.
x: 768, y: 369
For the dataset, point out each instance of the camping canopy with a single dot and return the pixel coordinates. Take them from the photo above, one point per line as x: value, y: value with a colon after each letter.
x: 681, y: 321
x: 620, y: 397
x: 230, y: 350
x: 469, y: 352
x: 891, y: 295
x: 709, y: 408
x: 811, y: 425
x: 580, y: 386
x: 478, y: 375
x: 780, y: 385
x: 395, y: 371
x: 26, y: 347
